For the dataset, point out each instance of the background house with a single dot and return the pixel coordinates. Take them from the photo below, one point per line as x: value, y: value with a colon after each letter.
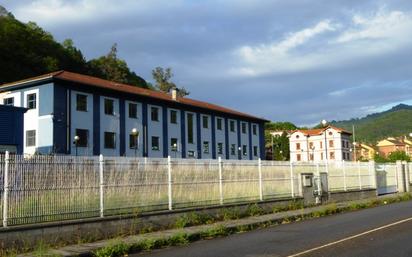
x: 11, y: 129
x: 325, y: 144
x: 70, y: 113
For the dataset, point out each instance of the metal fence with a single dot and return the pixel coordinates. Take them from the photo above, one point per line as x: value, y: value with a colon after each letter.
x: 37, y: 189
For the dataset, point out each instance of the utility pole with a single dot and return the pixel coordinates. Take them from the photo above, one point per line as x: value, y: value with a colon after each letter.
x: 354, y: 142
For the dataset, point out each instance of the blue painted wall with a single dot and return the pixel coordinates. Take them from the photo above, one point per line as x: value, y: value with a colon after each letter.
x: 11, y: 126
x: 60, y: 120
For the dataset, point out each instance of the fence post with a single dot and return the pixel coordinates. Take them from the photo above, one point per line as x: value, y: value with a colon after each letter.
x: 260, y: 180
x: 372, y: 175
x: 292, y: 189
x: 169, y: 181
x: 220, y: 163
x: 6, y: 188
x: 101, y: 179
x: 359, y: 176
x: 345, y: 188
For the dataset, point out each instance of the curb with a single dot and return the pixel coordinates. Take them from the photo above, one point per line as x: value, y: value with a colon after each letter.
x: 198, y: 232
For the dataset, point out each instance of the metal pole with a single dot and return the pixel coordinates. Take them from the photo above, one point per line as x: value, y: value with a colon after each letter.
x: 359, y: 175
x: 273, y: 148
x: 6, y: 188
x: 292, y: 189
x: 169, y: 181
x: 101, y: 178
x: 260, y: 179
x: 344, y: 176
x: 220, y: 163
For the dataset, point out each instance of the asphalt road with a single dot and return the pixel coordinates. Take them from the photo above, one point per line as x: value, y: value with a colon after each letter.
x: 344, y: 233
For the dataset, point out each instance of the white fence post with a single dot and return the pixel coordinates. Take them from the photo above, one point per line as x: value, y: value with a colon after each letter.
x: 292, y: 189
x: 169, y: 181
x: 359, y: 175
x: 220, y: 163
x: 101, y: 179
x: 6, y: 188
x: 345, y: 187
x: 260, y: 180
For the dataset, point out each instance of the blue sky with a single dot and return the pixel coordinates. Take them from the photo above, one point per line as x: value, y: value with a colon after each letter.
x: 297, y: 60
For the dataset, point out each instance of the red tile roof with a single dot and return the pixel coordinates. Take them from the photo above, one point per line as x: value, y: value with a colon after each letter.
x: 314, y: 132
x: 110, y: 85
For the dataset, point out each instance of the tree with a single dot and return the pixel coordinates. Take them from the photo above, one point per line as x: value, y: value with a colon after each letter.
x: 112, y: 68
x: 280, y: 146
x: 162, y: 78
x: 398, y: 156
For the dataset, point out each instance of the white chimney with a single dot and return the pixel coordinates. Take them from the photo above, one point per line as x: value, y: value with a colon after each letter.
x: 174, y: 94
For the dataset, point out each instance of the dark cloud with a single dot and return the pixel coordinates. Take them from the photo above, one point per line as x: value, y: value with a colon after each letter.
x: 311, y: 80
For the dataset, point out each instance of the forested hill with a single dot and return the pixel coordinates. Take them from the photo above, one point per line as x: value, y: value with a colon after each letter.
x: 394, y: 122
x: 26, y: 50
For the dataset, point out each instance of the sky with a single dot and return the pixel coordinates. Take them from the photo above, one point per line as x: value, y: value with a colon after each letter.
x: 297, y: 60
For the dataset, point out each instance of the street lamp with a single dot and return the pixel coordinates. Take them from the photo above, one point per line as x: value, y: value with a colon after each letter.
x: 76, y: 142
x: 324, y: 124
x: 240, y: 152
x: 281, y: 154
x: 175, y: 149
x: 135, y: 134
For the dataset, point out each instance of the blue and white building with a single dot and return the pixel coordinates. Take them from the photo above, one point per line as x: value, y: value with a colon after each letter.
x: 11, y: 129
x: 70, y: 113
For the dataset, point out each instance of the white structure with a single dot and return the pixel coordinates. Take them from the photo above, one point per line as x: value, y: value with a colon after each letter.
x: 75, y: 114
x: 319, y: 145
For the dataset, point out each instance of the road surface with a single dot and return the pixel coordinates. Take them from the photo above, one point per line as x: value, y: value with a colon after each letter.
x: 381, y: 231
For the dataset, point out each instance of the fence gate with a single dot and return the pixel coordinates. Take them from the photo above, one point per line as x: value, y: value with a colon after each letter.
x: 386, y: 178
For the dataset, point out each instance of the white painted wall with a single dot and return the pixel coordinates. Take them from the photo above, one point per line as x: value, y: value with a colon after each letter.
x: 81, y: 120
x: 174, y: 131
x: 155, y: 128
x: 131, y: 123
x: 109, y: 123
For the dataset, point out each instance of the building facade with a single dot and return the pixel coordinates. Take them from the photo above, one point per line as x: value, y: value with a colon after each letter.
x: 391, y: 144
x: 319, y: 145
x: 70, y: 113
x: 11, y: 129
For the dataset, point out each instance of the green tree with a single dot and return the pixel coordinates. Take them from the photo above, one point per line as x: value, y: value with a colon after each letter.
x: 162, y: 78
x: 279, y: 145
x: 112, y: 68
x: 398, y: 156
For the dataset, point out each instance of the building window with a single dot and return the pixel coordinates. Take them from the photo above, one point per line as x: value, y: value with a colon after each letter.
x: 173, y: 116
x: 133, y: 144
x: 132, y: 110
x: 154, y: 113
x: 330, y: 143
x: 232, y: 149
x: 297, y: 136
x: 205, y: 122
x: 244, y: 149
x: 311, y: 156
x: 243, y: 128
x: 109, y: 140
x: 83, y: 135
x: 191, y: 154
x: 173, y: 144
x: 81, y: 103
x: 298, y: 158
x: 232, y: 126
x: 190, y: 128
x: 320, y: 145
x: 311, y: 145
x: 205, y: 147
x: 219, y: 148
x: 155, y: 144
x: 297, y: 146
x: 31, y: 138
x: 219, y: 124
x: 31, y: 101
x: 254, y: 128
x: 321, y: 156
x: 8, y: 101
x: 255, y: 151
x: 332, y: 155
x: 330, y: 133
x: 108, y: 106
